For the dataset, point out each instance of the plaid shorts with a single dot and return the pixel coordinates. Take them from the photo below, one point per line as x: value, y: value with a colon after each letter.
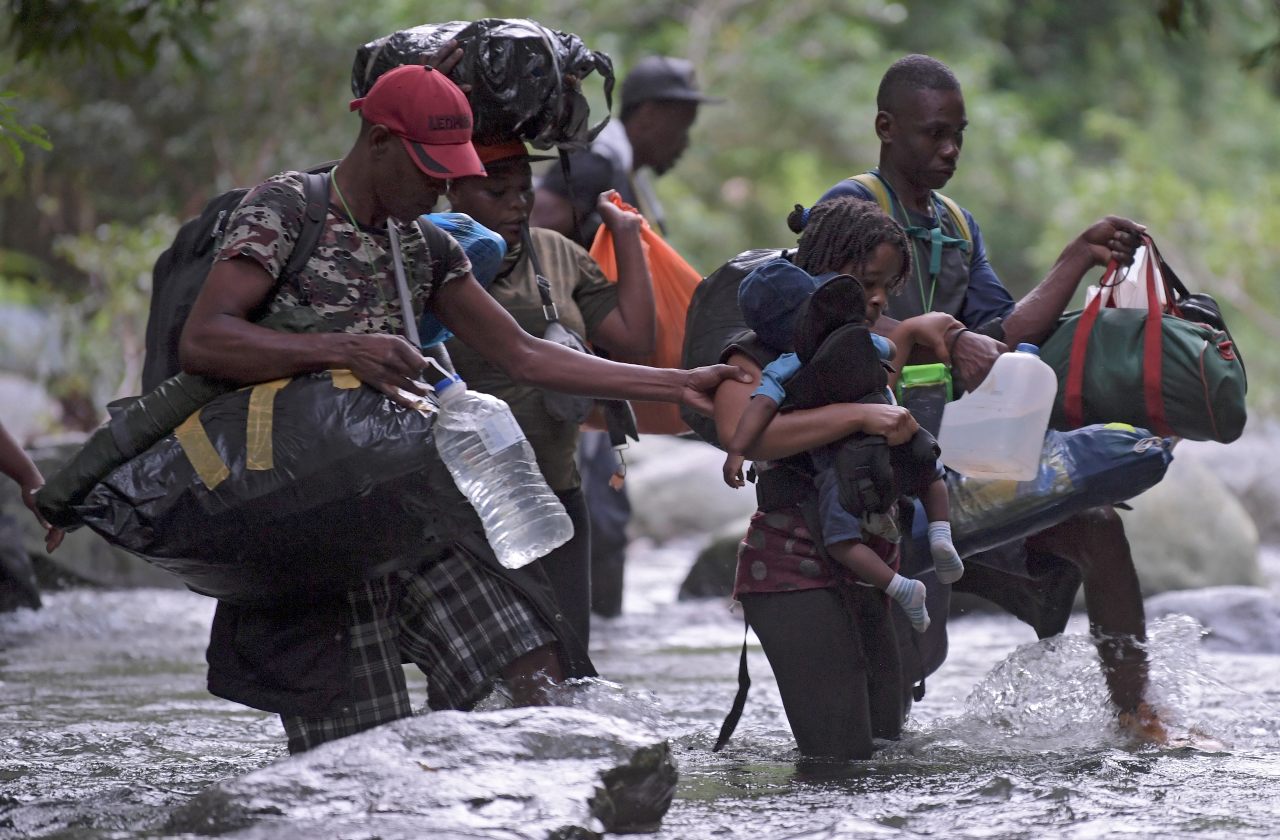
x: 459, y: 624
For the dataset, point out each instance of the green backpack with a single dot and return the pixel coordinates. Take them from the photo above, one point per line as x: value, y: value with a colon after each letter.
x: 1185, y: 379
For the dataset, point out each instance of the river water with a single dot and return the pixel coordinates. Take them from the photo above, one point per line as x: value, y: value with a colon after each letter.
x: 106, y: 727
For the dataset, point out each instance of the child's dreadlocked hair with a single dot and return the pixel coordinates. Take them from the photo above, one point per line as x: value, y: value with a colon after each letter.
x: 839, y: 231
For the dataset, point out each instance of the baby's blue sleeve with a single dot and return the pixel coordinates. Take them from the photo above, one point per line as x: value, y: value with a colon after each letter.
x: 882, y: 347
x: 773, y: 377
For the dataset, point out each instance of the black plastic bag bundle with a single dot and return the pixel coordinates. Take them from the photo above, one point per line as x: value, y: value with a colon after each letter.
x: 138, y: 422
x: 516, y: 70
x: 133, y: 428
x: 288, y: 489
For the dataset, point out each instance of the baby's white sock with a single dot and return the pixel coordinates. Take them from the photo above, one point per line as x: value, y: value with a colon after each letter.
x: 945, y: 559
x: 910, y: 595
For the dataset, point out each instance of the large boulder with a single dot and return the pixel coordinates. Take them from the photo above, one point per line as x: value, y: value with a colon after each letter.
x: 1190, y: 531
x: 676, y: 489
x: 1250, y: 468
x: 547, y: 772
x: 26, y: 408
x: 1237, y: 619
x: 713, y: 570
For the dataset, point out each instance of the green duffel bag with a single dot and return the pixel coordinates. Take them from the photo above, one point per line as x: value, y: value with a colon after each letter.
x: 1184, y: 379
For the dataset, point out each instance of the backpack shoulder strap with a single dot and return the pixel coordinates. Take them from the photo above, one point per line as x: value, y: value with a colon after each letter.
x: 876, y: 187
x: 315, y: 187
x: 957, y: 216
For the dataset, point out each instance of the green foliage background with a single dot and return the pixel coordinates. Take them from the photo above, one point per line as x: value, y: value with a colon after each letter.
x: 1077, y: 110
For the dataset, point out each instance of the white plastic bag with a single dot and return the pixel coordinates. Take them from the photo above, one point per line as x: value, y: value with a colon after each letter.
x: 1130, y: 290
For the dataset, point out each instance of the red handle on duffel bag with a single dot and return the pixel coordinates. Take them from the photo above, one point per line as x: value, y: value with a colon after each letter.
x: 1153, y: 347
x: 1073, y: 391
x: 1152, y: 350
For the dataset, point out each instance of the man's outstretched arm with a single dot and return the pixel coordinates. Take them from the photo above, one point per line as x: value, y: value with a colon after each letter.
x: 1035, y: 316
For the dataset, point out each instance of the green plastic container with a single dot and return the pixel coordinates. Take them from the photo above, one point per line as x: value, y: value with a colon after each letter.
x: 924, y: 390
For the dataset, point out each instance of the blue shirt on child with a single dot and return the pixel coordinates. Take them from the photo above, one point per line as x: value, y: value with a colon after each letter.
x: 777, y: 372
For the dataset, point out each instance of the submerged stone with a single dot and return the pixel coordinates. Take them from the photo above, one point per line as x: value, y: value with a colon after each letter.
x: 1238, y: 619
x: 547, y: 772
x: 711, y: 575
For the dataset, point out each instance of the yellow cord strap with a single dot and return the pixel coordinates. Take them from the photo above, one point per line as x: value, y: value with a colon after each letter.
x: 257, y: 439
x: 260, y: 452
x: 199, y: 450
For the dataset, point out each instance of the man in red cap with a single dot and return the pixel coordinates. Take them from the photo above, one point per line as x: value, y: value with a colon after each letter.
x: 333, y: 668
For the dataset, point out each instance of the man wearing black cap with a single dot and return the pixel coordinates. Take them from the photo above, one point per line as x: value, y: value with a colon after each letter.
x: 660, y: 99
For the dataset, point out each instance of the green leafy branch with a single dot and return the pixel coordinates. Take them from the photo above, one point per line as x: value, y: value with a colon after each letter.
x: 40, y: 30
x: 13, y: 132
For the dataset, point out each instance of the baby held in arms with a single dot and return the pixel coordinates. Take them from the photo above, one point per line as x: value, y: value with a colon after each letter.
x: 821, y: 327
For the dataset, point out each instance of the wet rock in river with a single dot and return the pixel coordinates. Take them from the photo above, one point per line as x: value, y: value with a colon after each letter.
x: 676, y: 490
x: 711, y: 575
x: 1190, y: 531
x: 553, y: 772
x: 1239, y: 619
x: 18, y: 586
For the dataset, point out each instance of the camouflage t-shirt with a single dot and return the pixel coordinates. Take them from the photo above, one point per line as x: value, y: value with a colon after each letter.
x: 350, y: 278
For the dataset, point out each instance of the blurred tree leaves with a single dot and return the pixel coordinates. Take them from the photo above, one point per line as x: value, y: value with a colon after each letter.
x: 44, y: 31
x: 14, y: 132
x: 1163, y: 111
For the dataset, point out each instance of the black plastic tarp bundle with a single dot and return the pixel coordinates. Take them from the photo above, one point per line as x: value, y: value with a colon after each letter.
x: 138, y: 422
x: 516, y: 69
x: 283, y: 490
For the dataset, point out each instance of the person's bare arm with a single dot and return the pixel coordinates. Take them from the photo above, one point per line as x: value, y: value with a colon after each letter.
x: 969, y: 354
x: 552, y: 211
x: 1035, y: 316
x: 219, y: 341
x: 482, y: 324
x: 759, y: 412
x: 799, y: 431
x: 15, y: 463
x: 922, y: 339
x: 628, y: 331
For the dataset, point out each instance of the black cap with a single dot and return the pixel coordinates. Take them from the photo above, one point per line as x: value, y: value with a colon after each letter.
x: 661, y: 77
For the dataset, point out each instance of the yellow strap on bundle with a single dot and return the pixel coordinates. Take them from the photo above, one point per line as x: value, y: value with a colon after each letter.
x: 260, y: 452
x: 199, y: 450
x: 344, y: 379
x: 257, y: 438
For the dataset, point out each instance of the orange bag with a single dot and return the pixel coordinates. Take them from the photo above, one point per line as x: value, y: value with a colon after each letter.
x: 673, y: 284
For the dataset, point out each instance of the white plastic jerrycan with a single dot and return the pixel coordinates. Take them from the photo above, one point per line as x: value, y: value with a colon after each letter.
x: 998, y: 430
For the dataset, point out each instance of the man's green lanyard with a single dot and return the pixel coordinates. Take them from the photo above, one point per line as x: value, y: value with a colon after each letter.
x: 936, y: 239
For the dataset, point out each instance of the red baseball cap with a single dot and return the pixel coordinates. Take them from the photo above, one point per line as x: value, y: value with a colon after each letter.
x: 429, y: 114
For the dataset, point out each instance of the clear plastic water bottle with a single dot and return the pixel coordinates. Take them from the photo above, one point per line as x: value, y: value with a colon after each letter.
x: 495, y: 468
x: 997, y: 430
